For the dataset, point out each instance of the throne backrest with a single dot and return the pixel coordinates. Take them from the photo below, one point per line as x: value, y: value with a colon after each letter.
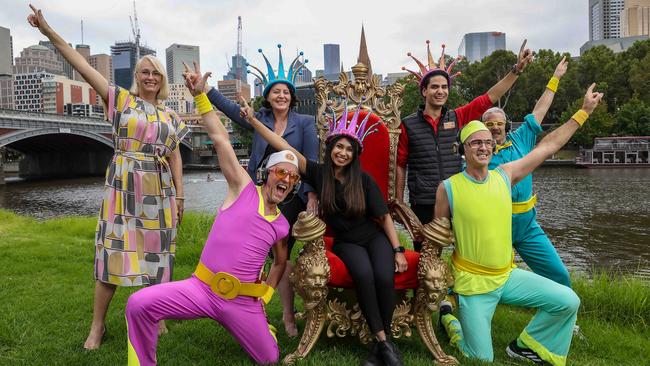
x: 379, y: 154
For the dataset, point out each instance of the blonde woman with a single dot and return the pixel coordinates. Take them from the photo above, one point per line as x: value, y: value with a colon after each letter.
x: 135, y: 239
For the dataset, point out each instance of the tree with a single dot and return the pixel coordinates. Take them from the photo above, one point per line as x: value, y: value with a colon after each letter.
x: 600, y: 123
x: 633, y: 119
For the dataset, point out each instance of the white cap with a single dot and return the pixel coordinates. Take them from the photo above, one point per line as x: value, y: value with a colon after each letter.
x: 284, y: 156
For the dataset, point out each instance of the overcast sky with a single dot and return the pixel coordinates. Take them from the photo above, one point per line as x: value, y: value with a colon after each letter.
x: 392, y: 27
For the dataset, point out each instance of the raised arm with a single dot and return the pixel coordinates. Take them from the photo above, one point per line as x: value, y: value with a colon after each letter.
x: 544, y: 102
x: 228, y: 107
x: 92, y: 76
x: 235, y: 175
x: 501, y: 88
x: 554, y: 141
x: 271, y: 137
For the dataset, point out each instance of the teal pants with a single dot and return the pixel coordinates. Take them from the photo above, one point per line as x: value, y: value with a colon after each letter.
x: 549, y: 332
x: 536, y: 249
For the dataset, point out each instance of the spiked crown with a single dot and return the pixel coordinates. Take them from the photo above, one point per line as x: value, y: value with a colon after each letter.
x: 432, y: 68
x: 352, y: 128
x: 271, y: 78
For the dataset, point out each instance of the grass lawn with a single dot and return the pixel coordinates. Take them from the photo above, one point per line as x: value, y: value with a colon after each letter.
x: 46, y: 291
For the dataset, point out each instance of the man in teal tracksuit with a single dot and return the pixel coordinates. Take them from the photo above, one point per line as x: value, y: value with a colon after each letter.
x: 528, y: 238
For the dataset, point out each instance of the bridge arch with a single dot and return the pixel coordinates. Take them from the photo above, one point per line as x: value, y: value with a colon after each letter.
x: 26, y: 134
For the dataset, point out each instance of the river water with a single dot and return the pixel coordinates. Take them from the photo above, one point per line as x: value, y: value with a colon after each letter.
x: 597, y: 218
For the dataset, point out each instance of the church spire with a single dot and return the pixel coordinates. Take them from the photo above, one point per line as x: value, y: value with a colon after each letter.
x: 363, y: 51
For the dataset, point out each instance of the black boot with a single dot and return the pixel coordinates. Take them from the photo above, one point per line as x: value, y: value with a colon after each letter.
x: 375, y: 358
x: 390, y: 354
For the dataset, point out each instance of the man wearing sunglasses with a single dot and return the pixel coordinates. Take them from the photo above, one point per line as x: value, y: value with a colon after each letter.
x: 479, y: 203
x: 528, y: 238
x: 226, y: 284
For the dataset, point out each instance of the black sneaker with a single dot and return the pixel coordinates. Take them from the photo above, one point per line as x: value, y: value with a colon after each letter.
x: 514, y: 351
x: 445, y: 308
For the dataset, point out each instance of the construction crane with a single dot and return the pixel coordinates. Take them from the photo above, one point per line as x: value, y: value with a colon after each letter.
x: 238, y: 66
x: 135, y: 29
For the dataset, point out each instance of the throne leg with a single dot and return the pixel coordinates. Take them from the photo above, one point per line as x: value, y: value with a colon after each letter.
x: 425, y: 329
x: 314, y: 324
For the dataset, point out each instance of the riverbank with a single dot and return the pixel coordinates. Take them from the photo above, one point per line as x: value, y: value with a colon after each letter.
x: 46, y: 307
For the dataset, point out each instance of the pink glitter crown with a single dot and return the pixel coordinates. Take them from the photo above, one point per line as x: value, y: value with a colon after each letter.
x: 441, y: 68
x: 349, y: 128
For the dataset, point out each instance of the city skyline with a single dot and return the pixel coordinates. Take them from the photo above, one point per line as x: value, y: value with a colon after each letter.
x: 266, y: 24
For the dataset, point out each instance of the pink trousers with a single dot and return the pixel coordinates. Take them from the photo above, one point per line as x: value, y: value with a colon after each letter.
x: 242, y: 316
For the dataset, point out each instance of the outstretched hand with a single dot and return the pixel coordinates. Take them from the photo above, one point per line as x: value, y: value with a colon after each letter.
x: 193, y: 80
x: 246, y: 112
x: 561, y: 68
x: 37, y: 20
x: 525, y: 56
x: 591, y: 99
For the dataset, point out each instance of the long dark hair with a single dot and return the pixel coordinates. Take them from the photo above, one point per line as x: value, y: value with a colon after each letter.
x: 353, y: 194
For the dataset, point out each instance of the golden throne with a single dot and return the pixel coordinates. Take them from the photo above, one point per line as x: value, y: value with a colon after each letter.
x: 321, y: 279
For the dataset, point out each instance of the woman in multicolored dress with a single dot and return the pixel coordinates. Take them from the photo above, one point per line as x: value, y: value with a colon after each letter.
x: 143, y: 193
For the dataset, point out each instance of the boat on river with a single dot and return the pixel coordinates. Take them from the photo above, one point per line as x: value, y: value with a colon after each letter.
x: 616, y: 152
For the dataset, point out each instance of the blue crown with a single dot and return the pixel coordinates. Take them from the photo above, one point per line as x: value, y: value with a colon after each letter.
x: 271, y: 78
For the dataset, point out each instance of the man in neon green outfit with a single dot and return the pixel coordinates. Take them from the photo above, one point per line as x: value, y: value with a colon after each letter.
x: 479, y: 203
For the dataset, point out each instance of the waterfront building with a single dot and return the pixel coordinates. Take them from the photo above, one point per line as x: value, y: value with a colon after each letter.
x: 476, y: 46
x: 124, y: 60
x: 175, y: 55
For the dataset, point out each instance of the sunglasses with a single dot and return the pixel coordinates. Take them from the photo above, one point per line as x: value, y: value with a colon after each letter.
x: 281, y: 173
x: 490, y: 124
x: 477, y: 143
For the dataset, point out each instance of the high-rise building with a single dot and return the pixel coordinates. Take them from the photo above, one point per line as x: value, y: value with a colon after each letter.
x: 476, y: 46
x: 104, y: 64
x: 180, y: 99
x: 83, y: 50
x: 124, y: 60
x: 232, y: 89
x: 258, y: 88
x: 332, y: 55
x: 6, y: 52
x: 238, y: 67
x: 66, y: 67
x: 175, y: 55
x: 605, y: 19
x: 635, y: 18
x: 38, y: 58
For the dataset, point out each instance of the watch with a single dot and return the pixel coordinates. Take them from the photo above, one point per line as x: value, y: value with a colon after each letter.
x: 515, y: 70
x: 399, y: 249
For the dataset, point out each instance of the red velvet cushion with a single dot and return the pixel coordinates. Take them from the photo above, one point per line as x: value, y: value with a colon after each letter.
x: 339, y: 276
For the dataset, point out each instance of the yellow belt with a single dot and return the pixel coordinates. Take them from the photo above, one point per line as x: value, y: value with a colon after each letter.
x: 463, y: 264
x: 228, y: 286
x: 525, y: 206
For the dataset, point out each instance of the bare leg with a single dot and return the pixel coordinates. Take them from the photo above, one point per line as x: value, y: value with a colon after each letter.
x: 381, y: 336
x: 286, y: 298
x: 162, y: 328
x: 103, y: 295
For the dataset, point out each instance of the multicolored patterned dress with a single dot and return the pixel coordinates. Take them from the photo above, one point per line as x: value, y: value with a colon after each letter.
x: 136, y: 233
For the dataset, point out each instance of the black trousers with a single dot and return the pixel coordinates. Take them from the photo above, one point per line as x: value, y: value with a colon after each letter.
x: 425, y: 214
x: 372, y: 267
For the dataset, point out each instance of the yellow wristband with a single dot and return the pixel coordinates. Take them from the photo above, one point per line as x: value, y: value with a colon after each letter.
x: 553, y: 84
x: 203, y: 104
x: 267, y: 295
x: 580, y: 117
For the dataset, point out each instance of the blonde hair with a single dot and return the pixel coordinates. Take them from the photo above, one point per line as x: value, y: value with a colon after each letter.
x: 163, y: 92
